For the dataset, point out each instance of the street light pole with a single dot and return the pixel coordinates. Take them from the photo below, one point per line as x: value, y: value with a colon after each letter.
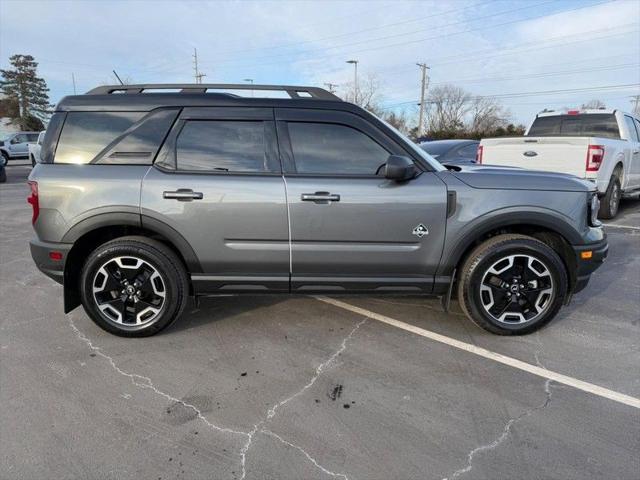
x: 355, y: 80
x: 250, y: 80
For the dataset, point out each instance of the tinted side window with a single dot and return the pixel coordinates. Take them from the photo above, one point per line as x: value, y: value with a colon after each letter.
x: 140, y: 145
x: 633, y: 135
x: 85, y: 134
x: 222, y: 145
x: 333, y: 149
x: 32, y: 137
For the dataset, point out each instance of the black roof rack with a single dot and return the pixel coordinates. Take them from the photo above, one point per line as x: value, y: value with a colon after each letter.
x: 292, y: 91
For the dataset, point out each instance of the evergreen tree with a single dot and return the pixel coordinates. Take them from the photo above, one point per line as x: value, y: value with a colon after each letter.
x: 30, y: 91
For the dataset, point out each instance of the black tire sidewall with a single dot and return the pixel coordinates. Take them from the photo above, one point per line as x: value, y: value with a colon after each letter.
x: 485, y: 259
x: 174, y: 291
x: 605, y: 211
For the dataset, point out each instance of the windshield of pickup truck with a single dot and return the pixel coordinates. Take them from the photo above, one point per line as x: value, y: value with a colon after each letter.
x: 582, y: 125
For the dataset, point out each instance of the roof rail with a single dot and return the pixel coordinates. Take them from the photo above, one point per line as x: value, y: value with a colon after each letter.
x: 292, y: 91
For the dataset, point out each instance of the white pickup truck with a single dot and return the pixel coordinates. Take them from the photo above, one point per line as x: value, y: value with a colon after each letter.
x: 600, y: 145
x: 34, y: 150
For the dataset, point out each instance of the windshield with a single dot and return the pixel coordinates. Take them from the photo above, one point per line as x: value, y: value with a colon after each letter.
x: 432, y: 162
x: 585, y: 125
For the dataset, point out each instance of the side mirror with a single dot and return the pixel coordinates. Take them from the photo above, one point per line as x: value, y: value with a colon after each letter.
x: 399, y: 168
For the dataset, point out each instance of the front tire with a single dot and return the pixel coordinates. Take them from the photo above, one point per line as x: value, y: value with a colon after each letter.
x: 133, y: 286
x: 512, y: 285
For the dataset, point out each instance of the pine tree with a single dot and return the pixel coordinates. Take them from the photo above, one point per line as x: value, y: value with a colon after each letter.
x: 30, y: 91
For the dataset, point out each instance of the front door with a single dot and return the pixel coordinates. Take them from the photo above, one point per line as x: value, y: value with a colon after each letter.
x: 218, y: 182
x: 352, y: 229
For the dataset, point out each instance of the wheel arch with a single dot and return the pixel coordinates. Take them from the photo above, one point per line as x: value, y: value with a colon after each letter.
x: 545, y: 227
x: 93, y: 232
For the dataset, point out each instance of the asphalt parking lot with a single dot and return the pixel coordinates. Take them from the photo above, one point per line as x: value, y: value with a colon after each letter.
x: 315, y: 388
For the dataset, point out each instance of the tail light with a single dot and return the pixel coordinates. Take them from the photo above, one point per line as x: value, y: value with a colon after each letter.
x: 479, y: 154
x: 33, y: 200
x: 595, y: 155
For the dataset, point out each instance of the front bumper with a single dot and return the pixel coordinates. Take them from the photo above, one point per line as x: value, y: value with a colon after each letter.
x: 45, y: 256
x: 586, y: 266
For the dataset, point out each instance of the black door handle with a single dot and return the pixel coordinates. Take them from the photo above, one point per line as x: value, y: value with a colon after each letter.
x: 183, y: 195
x: 320, y: 197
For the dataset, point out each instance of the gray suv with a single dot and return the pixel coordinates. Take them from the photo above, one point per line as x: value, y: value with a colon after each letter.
x: 149, y: 194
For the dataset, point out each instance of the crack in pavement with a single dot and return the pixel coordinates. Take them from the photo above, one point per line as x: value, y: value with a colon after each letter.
x: 272, y: 411
x: 144, y: 382
x: 507, y: 428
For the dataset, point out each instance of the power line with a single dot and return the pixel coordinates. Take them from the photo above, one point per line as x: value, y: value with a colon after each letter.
x: 529, y: 94
x: 357, y: 32
x: 484, y: 27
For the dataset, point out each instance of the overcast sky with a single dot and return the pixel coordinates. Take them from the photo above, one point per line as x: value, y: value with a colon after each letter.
x: 499, y: 47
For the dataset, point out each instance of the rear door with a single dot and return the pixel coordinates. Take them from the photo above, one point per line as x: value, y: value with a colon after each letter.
x: 217, y: 182
x: 351, y: 229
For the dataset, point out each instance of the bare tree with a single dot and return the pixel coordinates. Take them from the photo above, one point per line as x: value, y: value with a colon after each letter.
x: 369, y: 96
x: 400, y: 120
x: 448, y: 106
x: 486, y: 115
x: 595, y: 103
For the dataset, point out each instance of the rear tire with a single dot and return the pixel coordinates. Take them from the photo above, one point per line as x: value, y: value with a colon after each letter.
x: 133, y: 286
x: 611, y: 199
x: 512, y: 285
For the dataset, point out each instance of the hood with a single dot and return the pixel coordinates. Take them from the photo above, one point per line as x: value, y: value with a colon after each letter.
x: 512, y: 178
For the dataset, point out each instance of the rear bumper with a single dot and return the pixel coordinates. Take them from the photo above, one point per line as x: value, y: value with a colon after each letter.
x: 586, y: 266
x: 41, y: 254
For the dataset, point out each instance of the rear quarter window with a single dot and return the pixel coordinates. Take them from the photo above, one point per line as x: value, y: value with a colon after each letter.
x: 85, y: 134
x: 585, y: 125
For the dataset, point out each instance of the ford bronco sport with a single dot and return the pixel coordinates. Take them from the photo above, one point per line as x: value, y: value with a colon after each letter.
x: 149, y: 194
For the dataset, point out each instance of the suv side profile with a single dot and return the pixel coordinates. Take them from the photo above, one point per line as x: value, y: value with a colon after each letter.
x: 149, y: 194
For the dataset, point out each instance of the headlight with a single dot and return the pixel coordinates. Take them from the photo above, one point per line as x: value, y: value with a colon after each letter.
x: 594, y: 207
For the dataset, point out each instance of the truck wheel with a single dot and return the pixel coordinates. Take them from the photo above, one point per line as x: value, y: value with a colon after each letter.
x: 512, y: 285
x: 611, y: 200
x: 6, y: 157
x: 133, y: 286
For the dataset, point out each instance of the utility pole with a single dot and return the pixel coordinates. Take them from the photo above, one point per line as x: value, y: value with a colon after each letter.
x: 331, y: 86
x: 73, y: 79
x: 423, y: 91
x: 355, y: 80
x: 636, y: 104
x: 197, y: 75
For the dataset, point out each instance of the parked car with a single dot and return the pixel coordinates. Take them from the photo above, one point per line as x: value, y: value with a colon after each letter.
x: 144, y: 199
x: 602, y: 146
x: 34, y: 150
x: 452, y: 152
x: 16, y: 145
x: 3, y: 171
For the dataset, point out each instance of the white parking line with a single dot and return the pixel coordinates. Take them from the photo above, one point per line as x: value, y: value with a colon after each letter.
x: 497, y: 357
x: 608, y: 225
